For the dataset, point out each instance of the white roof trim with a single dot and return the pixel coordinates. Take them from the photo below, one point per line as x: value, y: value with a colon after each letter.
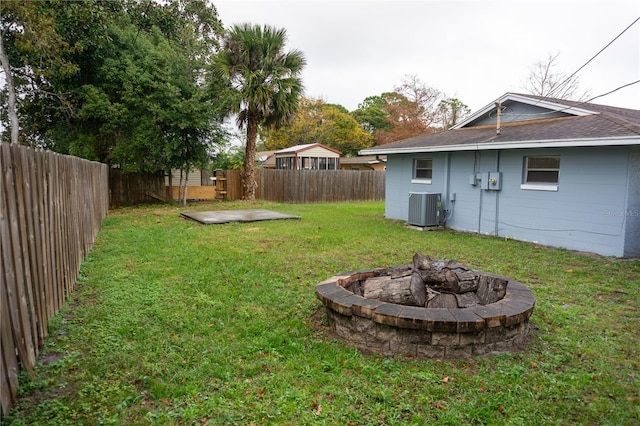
x: 551, y: 143
x: 295, y: 148
x: 299, y: 148
x: 553, y: 106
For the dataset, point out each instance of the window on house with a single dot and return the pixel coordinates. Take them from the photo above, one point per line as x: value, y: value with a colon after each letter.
x: 284, y: 163
x: 328, y: 163
x: 422, y: 170
x: 541, y: 172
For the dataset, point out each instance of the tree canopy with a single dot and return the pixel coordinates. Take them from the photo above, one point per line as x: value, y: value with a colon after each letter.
x: 146, y: 85
x: 122, y: 82
x: 318, y: 122
x: 451, y: 111
x: 412, y: 109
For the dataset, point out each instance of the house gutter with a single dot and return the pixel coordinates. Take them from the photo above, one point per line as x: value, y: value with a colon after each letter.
x: 551, y: 143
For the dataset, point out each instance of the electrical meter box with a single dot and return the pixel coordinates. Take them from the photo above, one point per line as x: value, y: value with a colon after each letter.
x: 495, y: 181
x: 491, y: 181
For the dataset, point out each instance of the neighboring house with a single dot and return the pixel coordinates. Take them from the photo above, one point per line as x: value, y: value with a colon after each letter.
x: 364, y: 162
x: 196, y: 178
x: 266, y: 159
x: 314, y: 156
x: 550, y: 171
x: 201, y: 186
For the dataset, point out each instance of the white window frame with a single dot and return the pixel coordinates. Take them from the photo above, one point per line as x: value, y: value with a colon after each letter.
x: 539, y: 186
x: 422, y: 180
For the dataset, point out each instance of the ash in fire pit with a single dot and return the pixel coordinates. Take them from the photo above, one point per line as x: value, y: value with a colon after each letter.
x: 433, y: 308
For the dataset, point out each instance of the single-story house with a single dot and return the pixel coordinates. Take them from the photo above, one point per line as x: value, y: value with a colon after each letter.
x: 266, y: 159
x: 364, y: 162
x: 531, y: 168
x: 313, y: 156
x: 200, y: 182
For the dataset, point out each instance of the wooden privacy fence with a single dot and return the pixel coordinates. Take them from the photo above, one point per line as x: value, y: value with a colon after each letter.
x: 319, y: 186
x: 51, y: 208
x: 127, y: 189
x: 307, y: 186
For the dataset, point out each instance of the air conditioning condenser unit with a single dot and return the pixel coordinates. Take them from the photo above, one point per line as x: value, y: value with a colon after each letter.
x: 425, y: 208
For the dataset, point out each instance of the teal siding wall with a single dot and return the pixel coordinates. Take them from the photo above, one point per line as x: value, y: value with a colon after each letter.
x: 592, y: 210
x: 632, y: 212
x: 515, y: 111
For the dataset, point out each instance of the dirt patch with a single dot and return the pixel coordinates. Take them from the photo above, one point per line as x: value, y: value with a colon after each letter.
x: 51, y: 358
x: 612, y: 295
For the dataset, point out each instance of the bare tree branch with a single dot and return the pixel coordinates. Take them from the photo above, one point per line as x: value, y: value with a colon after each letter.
x: 544, y: 80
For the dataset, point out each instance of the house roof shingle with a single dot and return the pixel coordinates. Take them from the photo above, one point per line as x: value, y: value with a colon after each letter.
x: 605, y: 125
x: 363, y: 159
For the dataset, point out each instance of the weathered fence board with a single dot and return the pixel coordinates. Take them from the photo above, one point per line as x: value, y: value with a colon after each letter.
x: 320, y: 186
x: 51, y: 208
x: 135, y: 188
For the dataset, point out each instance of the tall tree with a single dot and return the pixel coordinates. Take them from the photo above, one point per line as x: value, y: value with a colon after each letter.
x: 391, y: 117
x: 318, y: 122
x: 122, y: 82
x: 267, y: 81
x: 412, y: 109
x: 545, y: 80
x: 371, y: 114
x: 12, y: 108
x: 451, y: 111
x: 31, y: 52
x: 404, y: 117
x: 422, y: 99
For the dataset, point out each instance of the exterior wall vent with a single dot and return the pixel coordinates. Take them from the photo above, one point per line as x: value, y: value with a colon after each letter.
x: 425, y: 208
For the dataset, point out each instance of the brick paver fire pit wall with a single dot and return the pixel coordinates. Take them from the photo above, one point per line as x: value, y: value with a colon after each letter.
x: 390, y: 329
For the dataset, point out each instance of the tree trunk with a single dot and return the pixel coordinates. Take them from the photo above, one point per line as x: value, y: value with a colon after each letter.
x: 184, y: 194
x: 11, y: 94
x: 180, y: 186
x: 249, y: 175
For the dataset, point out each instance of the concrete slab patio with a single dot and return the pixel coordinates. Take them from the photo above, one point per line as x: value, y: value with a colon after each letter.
x: 226, y: 216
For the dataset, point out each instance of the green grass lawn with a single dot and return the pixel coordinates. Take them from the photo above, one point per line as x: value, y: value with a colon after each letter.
x: 173, y: 322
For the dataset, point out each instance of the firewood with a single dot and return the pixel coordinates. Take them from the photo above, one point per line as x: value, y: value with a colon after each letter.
x: 491, y: 289
x: 407, y: 290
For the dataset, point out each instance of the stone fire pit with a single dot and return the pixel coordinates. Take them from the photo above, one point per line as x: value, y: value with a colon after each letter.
x: 434, y: 308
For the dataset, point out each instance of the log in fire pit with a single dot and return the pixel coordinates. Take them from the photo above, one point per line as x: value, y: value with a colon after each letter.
x: 433, y: 308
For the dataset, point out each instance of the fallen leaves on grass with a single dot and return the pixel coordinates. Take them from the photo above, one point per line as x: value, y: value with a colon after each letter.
x: 317, y: 407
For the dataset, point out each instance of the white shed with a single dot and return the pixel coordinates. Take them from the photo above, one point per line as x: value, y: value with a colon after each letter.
x: 314, y: 156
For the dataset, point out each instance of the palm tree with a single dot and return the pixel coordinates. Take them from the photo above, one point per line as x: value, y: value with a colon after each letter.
x: 267, y: 81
